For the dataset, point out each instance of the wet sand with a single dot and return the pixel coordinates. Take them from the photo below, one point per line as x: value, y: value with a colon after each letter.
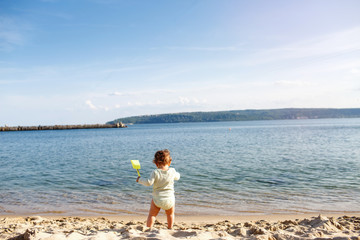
x: 269, y: 227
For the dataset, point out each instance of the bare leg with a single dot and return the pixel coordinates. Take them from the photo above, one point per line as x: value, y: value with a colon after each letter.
x: 153, y: 212
x: 170, y: 214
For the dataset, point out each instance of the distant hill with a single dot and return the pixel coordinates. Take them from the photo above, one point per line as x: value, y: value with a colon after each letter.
x: 243, y: 115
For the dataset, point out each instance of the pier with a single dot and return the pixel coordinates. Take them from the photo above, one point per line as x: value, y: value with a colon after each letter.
x: 61, y: 127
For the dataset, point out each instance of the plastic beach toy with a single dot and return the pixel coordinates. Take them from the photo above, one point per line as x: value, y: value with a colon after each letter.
x: 136, y: 165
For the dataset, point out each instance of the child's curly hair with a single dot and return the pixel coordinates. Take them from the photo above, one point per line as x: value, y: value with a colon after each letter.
x: 162, y: 158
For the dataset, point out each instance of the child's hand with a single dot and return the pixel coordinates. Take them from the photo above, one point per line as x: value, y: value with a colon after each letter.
x: 137, y: 180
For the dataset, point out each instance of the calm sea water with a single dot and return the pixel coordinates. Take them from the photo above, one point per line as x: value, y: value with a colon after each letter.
x: 254, y: 167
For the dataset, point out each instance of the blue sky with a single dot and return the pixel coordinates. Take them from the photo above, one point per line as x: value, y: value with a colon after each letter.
x: 92, y: 61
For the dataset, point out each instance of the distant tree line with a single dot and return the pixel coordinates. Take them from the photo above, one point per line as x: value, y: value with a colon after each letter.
x: 243, y: 115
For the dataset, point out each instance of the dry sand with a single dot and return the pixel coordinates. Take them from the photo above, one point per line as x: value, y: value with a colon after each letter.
x: 271, y: 227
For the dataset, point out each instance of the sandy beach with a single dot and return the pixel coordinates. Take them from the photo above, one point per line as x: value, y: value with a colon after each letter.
x: 269, y: 227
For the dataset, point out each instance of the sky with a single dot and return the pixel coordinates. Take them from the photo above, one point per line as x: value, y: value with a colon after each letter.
x: 93, y: 61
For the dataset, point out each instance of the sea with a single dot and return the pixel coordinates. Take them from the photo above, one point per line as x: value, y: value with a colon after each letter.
x: 227, y: 168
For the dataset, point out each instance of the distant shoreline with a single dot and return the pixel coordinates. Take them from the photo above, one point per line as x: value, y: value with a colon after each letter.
x: 243, y: 115
x: 61, y: 127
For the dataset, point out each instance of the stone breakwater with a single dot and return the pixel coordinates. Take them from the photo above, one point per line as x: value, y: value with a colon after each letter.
x: 61, y: 127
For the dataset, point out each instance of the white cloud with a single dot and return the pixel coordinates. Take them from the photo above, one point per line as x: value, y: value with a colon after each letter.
x: 312, y: 50
x: 209, y: 49
x: 184, y: 100
x: 144, y: 103
x: 355, y: 71
x: 142, y: 92
x: 11, y: 37
x: 193, y: 101
x: 124, y: 69
x: 10, y: 34
x: 55, y: 14
x: 116, y: 94
x: 91, y: 105
x: 295, y: 83
x: 151, y: 102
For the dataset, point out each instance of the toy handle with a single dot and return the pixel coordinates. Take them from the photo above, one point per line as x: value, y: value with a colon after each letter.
x: 138, y: 172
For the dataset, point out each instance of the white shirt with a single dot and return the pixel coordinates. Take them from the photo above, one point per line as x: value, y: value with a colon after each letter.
x: 163, y: 181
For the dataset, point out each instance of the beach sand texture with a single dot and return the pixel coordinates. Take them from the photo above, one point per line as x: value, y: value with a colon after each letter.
x: 76, y: 228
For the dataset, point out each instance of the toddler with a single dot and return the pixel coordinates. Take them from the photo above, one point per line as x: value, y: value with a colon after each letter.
x: 163, y: 190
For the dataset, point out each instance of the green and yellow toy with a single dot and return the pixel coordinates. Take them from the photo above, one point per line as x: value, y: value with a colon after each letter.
x: 136, y: 165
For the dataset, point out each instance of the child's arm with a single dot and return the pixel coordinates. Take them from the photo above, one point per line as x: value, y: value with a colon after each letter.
x: 147, y: 182
x: 177, y: 176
